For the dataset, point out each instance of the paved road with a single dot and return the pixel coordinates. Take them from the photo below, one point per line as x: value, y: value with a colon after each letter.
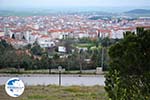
x: 67, y: 80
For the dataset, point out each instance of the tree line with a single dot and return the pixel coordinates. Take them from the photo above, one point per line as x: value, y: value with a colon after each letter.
x: 34, y: 57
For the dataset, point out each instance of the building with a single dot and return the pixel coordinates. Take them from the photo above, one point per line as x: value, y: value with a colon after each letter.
x: 45, y: 41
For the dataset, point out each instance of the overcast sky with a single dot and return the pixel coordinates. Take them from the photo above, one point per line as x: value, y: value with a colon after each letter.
x: 74, y: 3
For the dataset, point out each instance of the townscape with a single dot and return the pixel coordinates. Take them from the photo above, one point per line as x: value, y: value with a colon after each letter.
x: 74, y: 50
x: 48, y: 30
x: 75, y: 40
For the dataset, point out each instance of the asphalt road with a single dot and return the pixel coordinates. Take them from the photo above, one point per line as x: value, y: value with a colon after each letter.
x: 66, y: 80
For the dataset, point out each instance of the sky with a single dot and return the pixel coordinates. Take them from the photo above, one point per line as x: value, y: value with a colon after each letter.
x: 73, y: 3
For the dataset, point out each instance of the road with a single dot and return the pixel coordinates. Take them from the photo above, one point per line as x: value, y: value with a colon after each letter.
x: 66, y: 80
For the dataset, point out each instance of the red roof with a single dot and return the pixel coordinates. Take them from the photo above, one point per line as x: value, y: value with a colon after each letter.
x: 144, y: 26
x: 45, y: 36
x: 35, y: 33
x: 104, y: 31
x: 67, y: 30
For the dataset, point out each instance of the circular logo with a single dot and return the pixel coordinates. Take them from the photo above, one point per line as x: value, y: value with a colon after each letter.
x: 14, y: 87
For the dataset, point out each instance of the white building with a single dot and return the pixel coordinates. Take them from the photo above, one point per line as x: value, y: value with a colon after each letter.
x: 118, y: 33
x: 62, y: 49
x: 45, y: 41
x: 32, y: 37
x: 1, y: 33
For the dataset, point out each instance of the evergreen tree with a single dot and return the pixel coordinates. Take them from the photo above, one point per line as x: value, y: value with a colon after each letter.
x: 129, y: 73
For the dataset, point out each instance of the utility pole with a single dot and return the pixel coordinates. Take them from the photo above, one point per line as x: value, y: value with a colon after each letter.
x: 102, y: 53
x: 102, y: 58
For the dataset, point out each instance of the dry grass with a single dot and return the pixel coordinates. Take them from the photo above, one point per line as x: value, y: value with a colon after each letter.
x: 53, y: 92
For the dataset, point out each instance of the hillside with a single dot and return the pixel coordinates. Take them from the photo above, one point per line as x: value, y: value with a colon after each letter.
x: 138, y: 11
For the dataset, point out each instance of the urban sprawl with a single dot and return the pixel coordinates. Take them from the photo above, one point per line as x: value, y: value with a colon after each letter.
x: 48, y: 30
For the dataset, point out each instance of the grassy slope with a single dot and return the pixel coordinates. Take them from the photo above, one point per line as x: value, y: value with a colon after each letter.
x: 58, y: 93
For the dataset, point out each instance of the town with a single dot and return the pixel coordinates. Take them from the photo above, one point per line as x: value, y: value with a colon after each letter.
x: 74, y: 41
x: 74, y: 49
x: 48, y: 30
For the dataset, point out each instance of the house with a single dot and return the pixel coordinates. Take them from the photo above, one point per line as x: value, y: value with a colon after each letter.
x: 55, y: 34
x: 1, y: 33
x: 60, y: 34
x: 104, y: 33
x: 32, y: 37
x: 45, y: 41
x: 16, y: 43
x: 82, y: 35
x: 118, y: 33
x: 66, y: 34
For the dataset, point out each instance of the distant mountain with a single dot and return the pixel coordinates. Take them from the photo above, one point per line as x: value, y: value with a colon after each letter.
x: 138, y: 11
x: 45, y: 12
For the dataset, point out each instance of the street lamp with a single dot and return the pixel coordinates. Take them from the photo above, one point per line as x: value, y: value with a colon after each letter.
x: 59, y: 69
x: 49, y: 68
